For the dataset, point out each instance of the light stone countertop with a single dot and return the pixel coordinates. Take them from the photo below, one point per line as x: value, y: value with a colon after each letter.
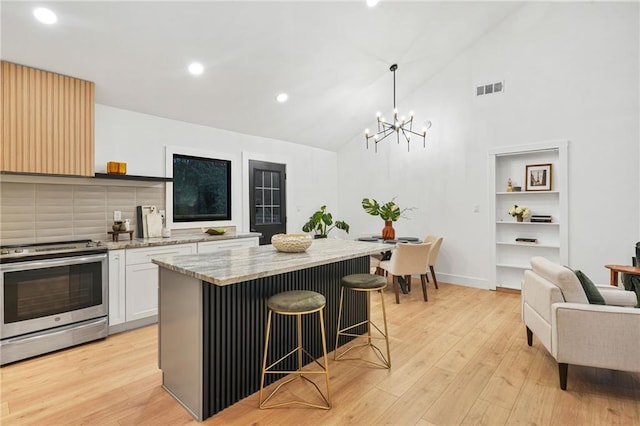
x: 234, y: 266
x: 125, y: 243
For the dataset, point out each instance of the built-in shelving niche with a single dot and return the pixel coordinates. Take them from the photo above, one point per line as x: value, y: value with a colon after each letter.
x: 509, y: 259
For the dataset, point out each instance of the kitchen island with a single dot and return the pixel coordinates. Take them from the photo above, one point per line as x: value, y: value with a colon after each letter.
x: 212, y: 315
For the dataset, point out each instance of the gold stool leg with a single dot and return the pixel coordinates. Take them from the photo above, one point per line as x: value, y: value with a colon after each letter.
x: 264, y: 358
x: 326, y: 358
x: 299, y: 373
x: 339, y: 331
x: 385, y: 362
x: 386, y: 333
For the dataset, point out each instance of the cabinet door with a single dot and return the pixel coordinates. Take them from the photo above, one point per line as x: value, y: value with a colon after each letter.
x: 142, y: 291
x: 142, y: 278
x: 116, y: 287
x: 50, y: 128
x: 213, y: 246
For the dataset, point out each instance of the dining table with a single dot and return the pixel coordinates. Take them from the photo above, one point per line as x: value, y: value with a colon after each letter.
x: 386, y: 255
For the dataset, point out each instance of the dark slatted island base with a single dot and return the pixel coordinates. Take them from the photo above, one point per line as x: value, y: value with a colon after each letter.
x: 212, y: 315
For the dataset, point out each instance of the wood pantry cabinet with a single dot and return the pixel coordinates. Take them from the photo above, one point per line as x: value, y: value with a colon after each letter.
x: 47, y: 122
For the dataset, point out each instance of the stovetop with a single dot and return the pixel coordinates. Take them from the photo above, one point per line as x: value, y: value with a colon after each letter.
x: 46, y: 250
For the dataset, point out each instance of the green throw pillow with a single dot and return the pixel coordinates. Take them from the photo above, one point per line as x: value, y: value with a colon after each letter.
x: 590, y: 289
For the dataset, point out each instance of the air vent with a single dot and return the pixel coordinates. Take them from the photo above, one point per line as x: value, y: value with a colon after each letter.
x: 488, y: 89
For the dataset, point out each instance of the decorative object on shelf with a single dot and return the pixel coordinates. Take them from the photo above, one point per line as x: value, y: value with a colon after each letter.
x: 154, y: 223
x: 398, y: 125
x: 291, y: 243
x: 541, y: 218
x: 116, y: 168
x: 321, y: 223
x: 523, y: 240
x: 389, y: 212
x: 517, y: 188
x: 116, y: 234
x: 215, y: 231
x: 509, y: 185
x: 519, y: 212
x: 538, y: 177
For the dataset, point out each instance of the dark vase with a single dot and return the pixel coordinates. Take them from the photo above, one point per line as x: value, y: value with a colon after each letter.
x: 318, y: 236
x: 388, y: 233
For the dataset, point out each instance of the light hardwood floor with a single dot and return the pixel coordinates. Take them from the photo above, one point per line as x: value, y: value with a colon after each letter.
x: 461, y: 358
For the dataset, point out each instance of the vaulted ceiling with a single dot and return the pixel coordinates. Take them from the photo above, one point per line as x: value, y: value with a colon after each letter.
x: 332, y: 58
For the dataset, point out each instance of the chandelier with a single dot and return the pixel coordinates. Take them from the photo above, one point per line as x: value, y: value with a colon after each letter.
x: 399, y: 125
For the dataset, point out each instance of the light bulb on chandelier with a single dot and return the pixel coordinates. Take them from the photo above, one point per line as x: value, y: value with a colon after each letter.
x: 398, y: 126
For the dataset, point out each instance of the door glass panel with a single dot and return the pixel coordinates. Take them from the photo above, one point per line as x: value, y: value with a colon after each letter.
x: 267, y: 197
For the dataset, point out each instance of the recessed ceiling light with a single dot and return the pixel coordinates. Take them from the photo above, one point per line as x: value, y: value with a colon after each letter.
x: 282, y: 97
x: 372, y: 3
x: 196, y: 68
x: 45, y: 15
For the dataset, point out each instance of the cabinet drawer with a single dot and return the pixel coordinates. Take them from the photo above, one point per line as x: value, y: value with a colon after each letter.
x: 212, y: 246
x: 144, y: 255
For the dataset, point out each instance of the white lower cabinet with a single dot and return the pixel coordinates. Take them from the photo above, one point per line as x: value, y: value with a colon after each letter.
x: 142, y: 291
x: 142, y: 279
x: 133, y: 279
x: 133, y: 285
x: 116, y: 287
x: 213, y: 246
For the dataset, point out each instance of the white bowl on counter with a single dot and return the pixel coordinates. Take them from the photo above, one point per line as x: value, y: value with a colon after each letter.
x: 291, y: 243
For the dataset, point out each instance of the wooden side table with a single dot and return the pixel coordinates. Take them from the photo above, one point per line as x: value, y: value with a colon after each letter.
x: 625, y: 269
x: 116, y: 234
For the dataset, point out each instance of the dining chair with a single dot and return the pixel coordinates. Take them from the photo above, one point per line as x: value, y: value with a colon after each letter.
x: 406, y: 260
x: 436, y: 242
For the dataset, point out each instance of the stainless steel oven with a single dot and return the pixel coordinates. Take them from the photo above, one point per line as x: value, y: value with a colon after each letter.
x: 52, y: 298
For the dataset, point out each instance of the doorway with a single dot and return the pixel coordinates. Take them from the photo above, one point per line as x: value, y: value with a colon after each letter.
x: 267, y: 199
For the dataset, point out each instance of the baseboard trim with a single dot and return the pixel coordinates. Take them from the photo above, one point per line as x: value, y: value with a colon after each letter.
x: 463, y: 280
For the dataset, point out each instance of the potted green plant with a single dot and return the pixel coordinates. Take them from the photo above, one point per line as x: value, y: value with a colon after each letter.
x: 321, y: 223
x: 389, y: 212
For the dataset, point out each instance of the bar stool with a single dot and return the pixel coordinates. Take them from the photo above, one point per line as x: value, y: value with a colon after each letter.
x: 367, y: 283
x: 298, y: 303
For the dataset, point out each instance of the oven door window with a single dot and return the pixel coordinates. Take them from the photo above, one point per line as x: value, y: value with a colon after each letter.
x: 42, y: 292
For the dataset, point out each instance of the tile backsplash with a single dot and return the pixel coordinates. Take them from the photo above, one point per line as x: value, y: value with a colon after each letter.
x: 35, y: 212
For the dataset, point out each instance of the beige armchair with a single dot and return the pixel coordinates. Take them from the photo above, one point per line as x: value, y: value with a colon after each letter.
x: 436, y: 242
x: 555, y: 308
x: 406, y: 260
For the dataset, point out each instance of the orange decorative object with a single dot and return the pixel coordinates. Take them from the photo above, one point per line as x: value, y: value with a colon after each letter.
x: 116, y: 168
x: 388, y: 233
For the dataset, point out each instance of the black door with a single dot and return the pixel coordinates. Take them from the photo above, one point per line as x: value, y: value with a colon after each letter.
x: 267, y: 199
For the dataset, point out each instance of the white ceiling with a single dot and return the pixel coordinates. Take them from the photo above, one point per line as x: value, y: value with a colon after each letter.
x: 332, y: 58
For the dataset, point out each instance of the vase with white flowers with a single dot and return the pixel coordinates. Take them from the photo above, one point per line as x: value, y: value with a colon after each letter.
x: 519, y: 212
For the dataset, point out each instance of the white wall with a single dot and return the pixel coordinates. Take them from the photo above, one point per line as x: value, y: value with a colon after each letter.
x: 571, y: 72
x: 140, y: 140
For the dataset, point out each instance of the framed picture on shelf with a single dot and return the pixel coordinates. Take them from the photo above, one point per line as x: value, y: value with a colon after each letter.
x: 538, y: 177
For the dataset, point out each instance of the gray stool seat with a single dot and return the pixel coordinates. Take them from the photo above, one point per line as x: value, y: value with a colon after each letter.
x: 296, y: 301
x: 364, y: 281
